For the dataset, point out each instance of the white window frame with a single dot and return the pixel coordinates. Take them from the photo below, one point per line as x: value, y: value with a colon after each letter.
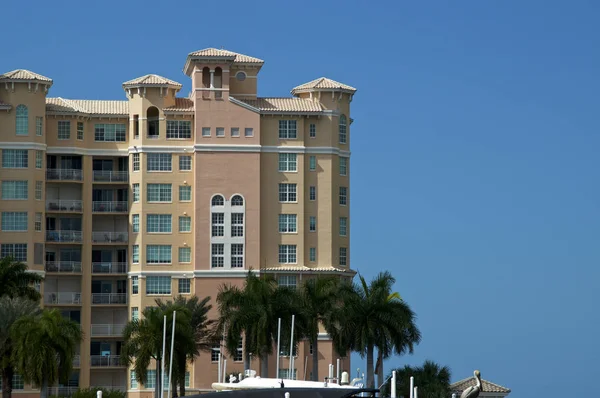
x: 161, y: 285
x: 237, y: 255
x: 217, y: 253
x: 184, y: 286
x: 159, y: 223
x: 288, y: 162
x: 288, y: 193
x: 343, y: 196
x: 312, y: 193
x: 15, y: 158
x: 185, y: 190
x: 290, y: 281
x: 205, y: 131
x: 39, y: 126
x: 39, y: 189
x: 39, y: 159
x: 179, y: 130
x: 343, y: 130
x: 22, y: 120
x: 15, y: 190
x: 220, y: 132
x: 343, y: 166
x: 135, y: 223
x: 235, y: 131
x: 185, y: 224
x: 108, y: 132
x: 159, y: 162
x: 135, y: 161
x: 164, y: 193
x: 312, y: 254
x: 184, y: 255
x: 343, y: 226
x: 288, y: 223
x: 14, y: 221
x: 288, y: 254
x: 135, y: 192
x: 63, y: 130
x: 288, y: 129
x: 185, y: 163
x: 312, y: 130
x: 343, y: 257
x: 312, y: 163
x: 80, y: 131
x: 248, y: 132
x: 312, y: 224
x: 135, y: 285
x: 164, y: 254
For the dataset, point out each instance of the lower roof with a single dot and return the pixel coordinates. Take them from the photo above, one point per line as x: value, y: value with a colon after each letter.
x: 488, y: 386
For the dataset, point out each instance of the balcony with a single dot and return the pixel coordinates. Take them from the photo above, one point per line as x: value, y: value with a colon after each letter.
x: 57, y: 205
x: 66, y: 267
x: 109, y: 298
x: 104, y: 330
x: 111, y: 206
x: 61, y: 391
x: 111, y: 176
x: 105, y: 361
x: 109, y: 268
x: 64, y: 236
x: 110, y: 237
x: 64, y: 175
x: 62, y: 298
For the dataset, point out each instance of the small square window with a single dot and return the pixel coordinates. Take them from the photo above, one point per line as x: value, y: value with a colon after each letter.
x: 185, y: 254
x: 185, y: 224
x: 248, y: 132
x: 184, y: 286
x: 220, y: 132
x: 185, y: 193
x: 205, y: 131
x: 235, y: 131
x: 185, y: 163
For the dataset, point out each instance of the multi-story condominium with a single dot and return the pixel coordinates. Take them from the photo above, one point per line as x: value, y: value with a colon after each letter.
x: 118, y: 203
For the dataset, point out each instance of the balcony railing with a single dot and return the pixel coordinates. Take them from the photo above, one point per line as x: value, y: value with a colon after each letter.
x: 64, y: 205
x: 114, y: 388
x: 110, y: 176
x: 111, y: 206
x: 67, y: 267
x: 62, y: 298
x: 64, y: 236
x: 109, y: 268
x: 105, y: 360
x: 110, y: 237
x: 62, y: 391
x: 64, y: 174
x: 109, y: 298
x: 109, y: 329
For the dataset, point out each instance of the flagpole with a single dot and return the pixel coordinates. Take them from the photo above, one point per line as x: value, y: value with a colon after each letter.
x: 162, y: 359
x: 278, y: 344
x: 171, y: 360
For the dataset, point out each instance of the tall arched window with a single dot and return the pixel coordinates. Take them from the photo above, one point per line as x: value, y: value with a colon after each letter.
x: 237, y: 200
x: 227, y: 239
x: 218, y: 82
x: 342, y: 129
x: 217, y: 200
x: 152, y: 116
x: 22, y: 120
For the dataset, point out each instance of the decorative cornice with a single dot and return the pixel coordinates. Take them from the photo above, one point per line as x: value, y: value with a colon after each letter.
x: 23, y: 145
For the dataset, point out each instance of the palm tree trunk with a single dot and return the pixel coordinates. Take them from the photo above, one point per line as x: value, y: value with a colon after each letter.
x: 182, y: 385
x: 158, y: 382
x: 380, y: 368
x: 264, y: 365
x: 44, y: 388
x: 370, y: 376
x: 174, y: 387
x: 7, y: 376
x: 315, y: 359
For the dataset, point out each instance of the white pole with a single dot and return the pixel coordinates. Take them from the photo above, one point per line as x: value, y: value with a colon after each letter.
x: 162, y: 367
x: 305, y: 366
x: 393, y: 395
x: 338, y: 370
x: 171, y: 360
x: 416, y: 392
x: 99, y: 394
x: 292, y: 350
x: 330, y: 372
x: 278, y: 344
x: 412, y: 386
x: 220, y: 369
x: 224, y: 369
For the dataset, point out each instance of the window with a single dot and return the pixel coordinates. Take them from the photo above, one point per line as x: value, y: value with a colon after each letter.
x: 185, y: 193
x: 135, y: 223
x: 136, y: 192
x: 107, y: 132
x: 235, y: 131
x: 287, y: 129
x: 38, y: 190
x: 158, y: 285
x: 185, y: 224
x: 153, y: 120
x: 64, y: 129
x: 310, y: 348
x: 217, y: 201
x: 38, y: 222
x: 205, y: 131
x: 18, y: 383
x: 248, y: 132
x: 80, y: 131
x: 287, y: 193
x: 312, y: 163
x: 220, y: 132
x: 288, y: 162
x: 214, y: 353
x: 158, y: 223
x: 312, y: 254
x: 343, y: 196
x: 217, y: 255
x: 185, y: 163
x: 184, y: 286
x: 158, y: 254
x: 185, y: 254
x: 287, y: 254
x: 312, y: 224
x: 17, y: 250
x: 343, y: 226
x: 237, y: 224
x: 285, y: 373
x: 218, y: 224
x: 187, y: 380
x: 150, y: 380
x: 14, y: 221
x: 39, y: 159
x: 14, y: 190
x: 136, y: 126
x: 342, y: 129
x: 239, y: 352
x: 240, y: 76
x: 312, y: 130
x: 343, y: 256
x: 132, y: 377
x: 39, y: 126
x: 343, y: 166
x: 179, y: 129
x: 135, y: 162
x: 159, y: 193
x: 312, y: 193
x: 15, y: 158
x: 287, y: 223
x: 287, y: 281
x: 135, y: 313
x: 237, y: 255
x: 135, y: 284
x: 158, y: 161
x: 135, y: 254
x: 22, y: 120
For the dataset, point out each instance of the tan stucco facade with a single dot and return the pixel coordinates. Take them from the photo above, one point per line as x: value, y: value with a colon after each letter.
x: 119, y: 203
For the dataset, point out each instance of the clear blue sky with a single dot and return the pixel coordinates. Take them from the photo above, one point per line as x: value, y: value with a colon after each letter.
x: 474, y: 149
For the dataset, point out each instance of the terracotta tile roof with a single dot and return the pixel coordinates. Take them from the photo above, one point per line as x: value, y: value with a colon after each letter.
x: 322, y: 83
x: 181, y: 105
x: 91, y: 107
x: 302, y: 268
x: 23, y: 74
x: 290, y: 104
x: 236, y: 57
x: 151, y: 80
x: 488, y: 386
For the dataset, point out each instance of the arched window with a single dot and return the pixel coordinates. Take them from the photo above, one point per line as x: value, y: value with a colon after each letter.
x: 22, y: 120
x: 342, y: 129
x: 218, y: 83
x: 237, y: 200
x: 152, y: 116
x: 218, y: 200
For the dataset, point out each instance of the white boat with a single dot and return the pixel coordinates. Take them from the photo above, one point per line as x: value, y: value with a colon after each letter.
x: 252, y: 382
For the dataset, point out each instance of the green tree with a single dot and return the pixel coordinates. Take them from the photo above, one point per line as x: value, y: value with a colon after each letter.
x: 15, y: 281
x: 432, y: 379
x: 43, y: 348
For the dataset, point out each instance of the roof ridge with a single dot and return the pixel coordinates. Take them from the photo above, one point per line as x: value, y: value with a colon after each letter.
x: 72, y: 105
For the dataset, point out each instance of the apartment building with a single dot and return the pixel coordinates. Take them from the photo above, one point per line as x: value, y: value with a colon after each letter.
x: 117, y: 203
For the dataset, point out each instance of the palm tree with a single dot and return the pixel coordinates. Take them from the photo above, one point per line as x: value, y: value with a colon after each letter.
x: 11, y: 309
x: 432, y: 379
x: 44, y: 347
x: 15, y: 281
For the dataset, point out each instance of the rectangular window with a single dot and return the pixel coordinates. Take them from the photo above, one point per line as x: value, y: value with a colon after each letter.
x: 237, y: 224
x: 214, y: 353
x: 312, y: 224
x: 39, y: 159
x: 287, y: 129
x: 185, y: 254
x: 18, y: 383
x: 343, y: 226
x: 14, y: 190
x: 132, y: 377
x: 220, y: 132
x: 343, y: 196
x: 287, y: 223
x: 136, y: 126
x: 22, y: 122
x: 343, y: 166
x: 288, y: 162
x: 38, y: 190
x: 312, y: 193
x: 135, y: 223
x: 285, y: 373
x: 15, y: 158
x: 185, y: 163
x: 158, y: 161
x: 185, y: 224
x: 159, y: 193
x: 343, y: 256
x: 184, y: 286
x: 185, y: 193
x: 17, y: 250
x: 158, y: 285
x: 158, y: 223
x: 150, y: 379
x: 39, y: 126
x: 287, y: 281
x: 38, y: 222
x: 135, y: 254
x: 239, y: 352
x: 158, y: 254
x: 312, y: 254
x: 135, y: 161
x: 312, y: 162
x: 80, y: 131
x: 135, y: 285
x: 179, y: 129
x: 287, y: 193
x: 135, y: 313
x: 312, y: 131
x: 64, y: 129
x: 235, y: 131
x: 135, y: 188
x: 217, y: 255
x: 248, y: 132
x: 108, y: 132
x: 287, y: 254
x: 205, y: 131
x: 15, y: 221
x: 218, y: 224
x: 237, y: 255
